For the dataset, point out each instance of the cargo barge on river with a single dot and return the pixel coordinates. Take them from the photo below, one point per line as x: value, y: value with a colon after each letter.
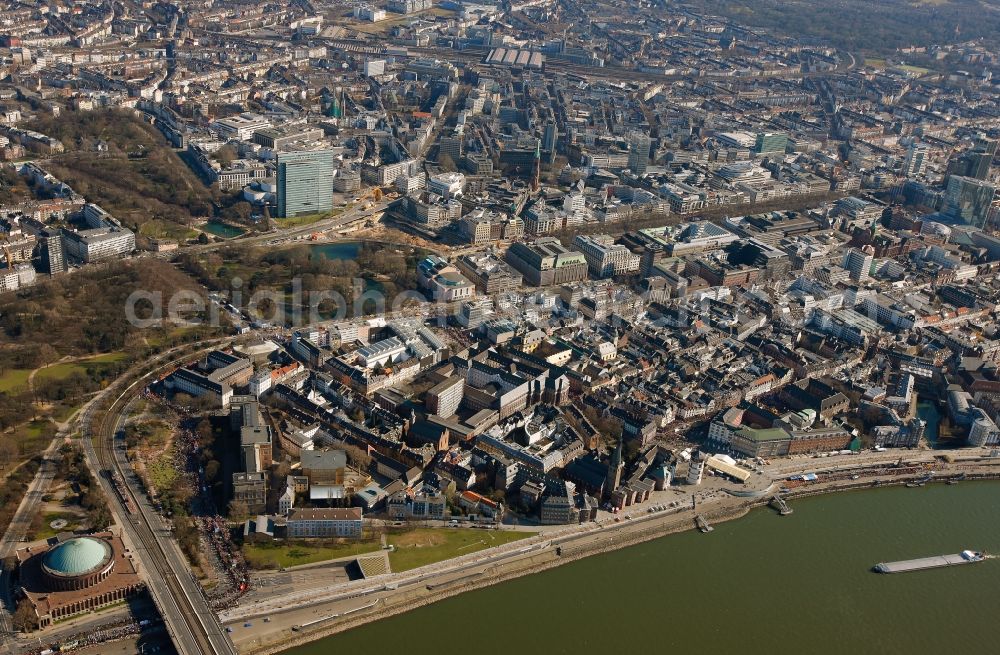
x: 938, y: 561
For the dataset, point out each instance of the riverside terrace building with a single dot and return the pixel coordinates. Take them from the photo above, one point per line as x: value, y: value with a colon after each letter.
x: 532, y: 441
x: 546, y: 261
x: 76, y: 575
x: 743, y: 431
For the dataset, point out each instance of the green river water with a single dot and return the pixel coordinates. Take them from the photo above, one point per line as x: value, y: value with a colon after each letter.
x: 761, y: 584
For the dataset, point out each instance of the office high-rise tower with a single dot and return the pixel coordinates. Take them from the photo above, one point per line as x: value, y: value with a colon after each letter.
x: 981, y: 158
x: 50, y: 250
x: 916, y: 160
x: 549, y: 140
x: 305, y: 182
x: 969, y: 199
x: 975, y: 163
x: 638, y: 152
x: 859, y: 263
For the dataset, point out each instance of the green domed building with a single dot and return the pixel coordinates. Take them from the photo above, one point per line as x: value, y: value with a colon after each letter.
x: 69, y: 576
x: 77, y: 563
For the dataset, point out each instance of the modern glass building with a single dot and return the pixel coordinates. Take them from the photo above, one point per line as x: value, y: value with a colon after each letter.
x: 305, y: 182
x: 770, y: 143
x: 969, y: 199
x: 638, y: 152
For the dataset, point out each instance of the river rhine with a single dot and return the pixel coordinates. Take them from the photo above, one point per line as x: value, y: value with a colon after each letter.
x: 760, y: 584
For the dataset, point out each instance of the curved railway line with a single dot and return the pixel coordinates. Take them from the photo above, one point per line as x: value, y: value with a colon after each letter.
x: 192, y: 625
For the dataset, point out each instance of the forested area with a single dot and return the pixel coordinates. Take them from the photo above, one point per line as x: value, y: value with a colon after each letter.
x: 118, y: 161
x: 77, y: 326
x: 256, y: 269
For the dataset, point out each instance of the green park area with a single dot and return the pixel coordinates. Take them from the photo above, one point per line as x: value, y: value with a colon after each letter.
x: 416, y: 548
x: 279, y: 556
x: 410, y: 548
x: 42, y: 528
x: 159, y: 228
x: 306, y: 219
x: 64, y: 370
x: 14, y: 380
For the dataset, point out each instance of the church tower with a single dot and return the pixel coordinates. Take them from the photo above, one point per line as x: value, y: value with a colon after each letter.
x: 615, y: 467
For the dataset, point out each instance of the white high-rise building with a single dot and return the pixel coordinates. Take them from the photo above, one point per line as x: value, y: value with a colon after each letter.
x: 858, y: 263
x: 916, y: 160
x: 374, y: 67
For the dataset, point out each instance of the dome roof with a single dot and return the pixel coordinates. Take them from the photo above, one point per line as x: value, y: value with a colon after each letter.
x: 77, y: 556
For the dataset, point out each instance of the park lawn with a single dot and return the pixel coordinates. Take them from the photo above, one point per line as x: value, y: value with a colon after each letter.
x: 162, y: 338
x: 305, y: 219
x: 62, y: 413
x: 264, y: 555
x: 161, y: 470
x: 918, y: 70
x: 423, y: 546
x: 65, y: 369
x: 159, y: 436
x: 33, y: 429
x: 14, y: 380
x: 42, y: 530
x: 31, y: 439
x: 161, y: 229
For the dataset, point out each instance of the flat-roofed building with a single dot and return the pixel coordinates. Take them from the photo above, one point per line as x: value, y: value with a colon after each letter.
x: 324, y: 467
x: 444, y: 398
x: 490, y: 274
x: 605, y: 258
x: 251, y: 488
x: 311, y: 523
x: 282, y: 136
x: 256, y: 447
x: 98, y: 244
x: 241, y: 127
x: 546, y: 261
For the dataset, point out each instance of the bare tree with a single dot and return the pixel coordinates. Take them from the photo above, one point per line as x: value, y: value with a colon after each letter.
x: 24, y: 619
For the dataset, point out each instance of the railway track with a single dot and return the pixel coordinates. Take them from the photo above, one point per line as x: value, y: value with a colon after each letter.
x: 192, y: 625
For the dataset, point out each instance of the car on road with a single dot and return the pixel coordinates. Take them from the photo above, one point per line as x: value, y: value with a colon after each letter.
x: 229, y: 629
x: 248, y: 625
